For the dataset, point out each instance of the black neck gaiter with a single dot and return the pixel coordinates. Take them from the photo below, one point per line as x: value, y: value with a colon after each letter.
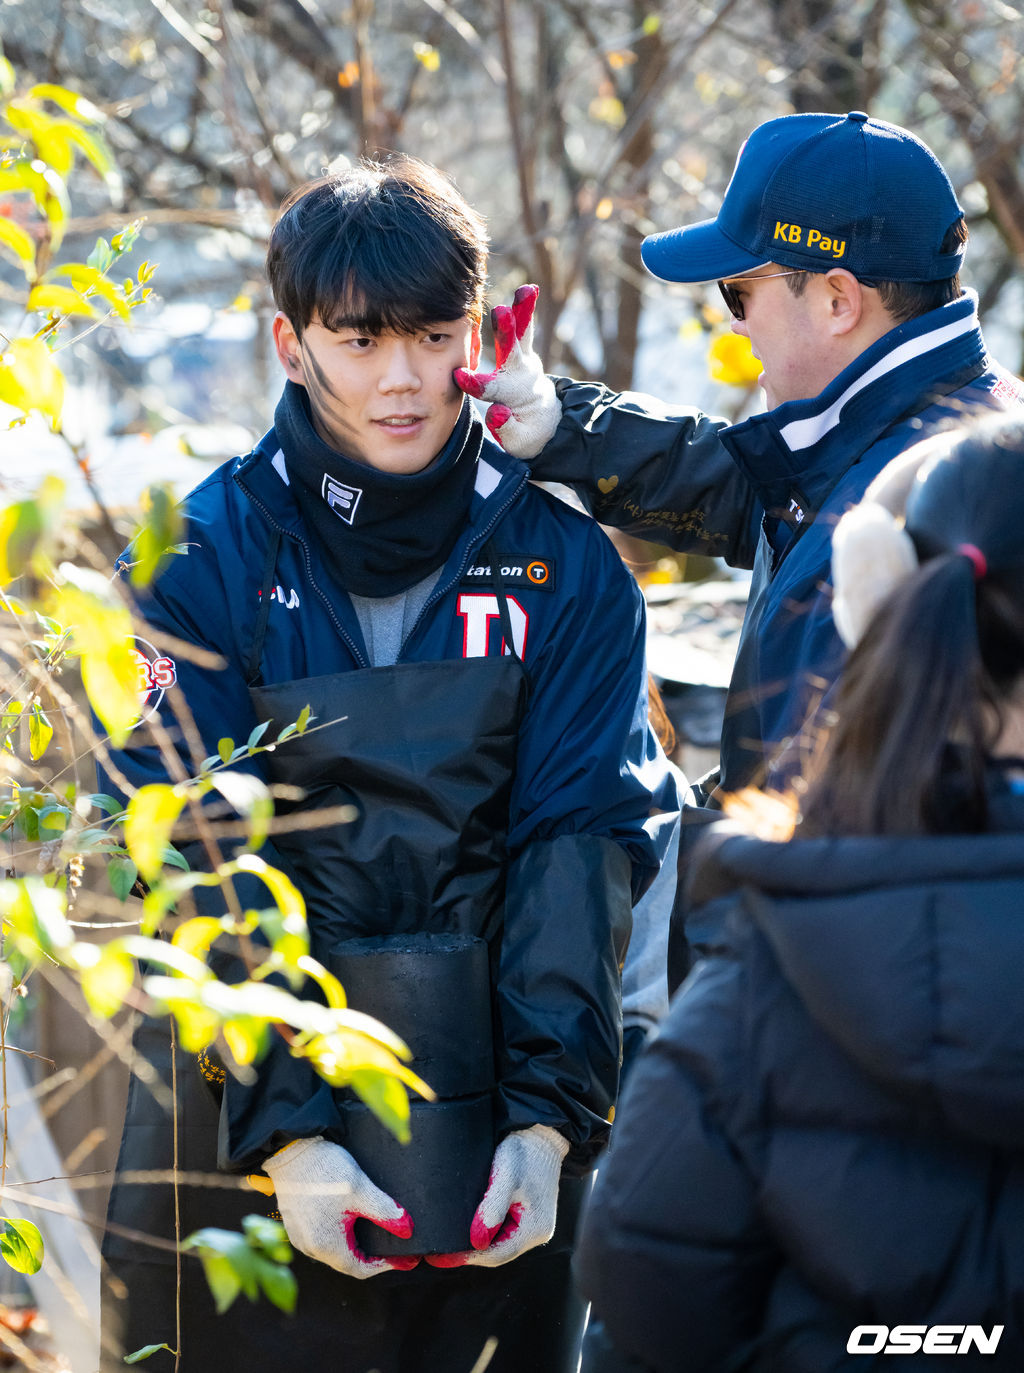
x: 378, y: 533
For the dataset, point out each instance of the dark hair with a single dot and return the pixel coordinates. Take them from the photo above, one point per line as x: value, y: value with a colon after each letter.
x: 920, y: 699
x: 381, y: 247
x: 907, y: 299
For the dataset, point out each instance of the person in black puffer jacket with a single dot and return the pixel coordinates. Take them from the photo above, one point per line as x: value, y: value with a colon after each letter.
x: 825, y: 1141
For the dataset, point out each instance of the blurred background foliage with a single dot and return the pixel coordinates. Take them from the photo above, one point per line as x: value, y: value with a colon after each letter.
x: 576, y: 127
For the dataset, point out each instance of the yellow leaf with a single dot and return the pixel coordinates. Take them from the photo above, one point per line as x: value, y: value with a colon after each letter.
x: 195, y: 936
x: 27, y: 528
x: 621, y: 59
x: 240, y: 303
x: 102, y: 633
x: 18, y: 242
x: 150, y: 818
x: 428, y: 55
x: 46, y: 189
x: 95, y: 149
x: 40, y: 732
x: 284, y: 891
x: 327, y: 982
x: 69, y: 101
x: 86, y: 279
x: 48, y: 134
x: 245, y: 1038
x: 61, y: 299
x: 34, y: 915
x: 7, y: 77
x: 31, y: 380
x: 732, y: 361
x: 106, y: 975
x: 604, y: 208
x: 110, y: 679
x: 607, y: 109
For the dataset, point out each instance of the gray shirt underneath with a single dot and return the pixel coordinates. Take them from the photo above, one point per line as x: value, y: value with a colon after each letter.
x: 387, y: 620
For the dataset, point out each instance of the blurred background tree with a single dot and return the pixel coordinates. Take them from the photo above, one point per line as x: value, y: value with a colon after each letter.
x: 577, y: 127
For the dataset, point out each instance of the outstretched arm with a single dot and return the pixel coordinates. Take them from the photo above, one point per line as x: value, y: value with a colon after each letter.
x: 655, y: 471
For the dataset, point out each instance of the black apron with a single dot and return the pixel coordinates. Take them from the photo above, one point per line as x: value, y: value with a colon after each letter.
x: 425, y: 754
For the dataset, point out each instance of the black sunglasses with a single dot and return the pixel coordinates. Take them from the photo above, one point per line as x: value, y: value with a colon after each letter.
x: 732, y: 297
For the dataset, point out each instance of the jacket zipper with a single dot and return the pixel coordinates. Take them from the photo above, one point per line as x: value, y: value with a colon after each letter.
x: 288, y: 534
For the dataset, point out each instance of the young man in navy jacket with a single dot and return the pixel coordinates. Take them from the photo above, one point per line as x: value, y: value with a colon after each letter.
x: 475, y: 649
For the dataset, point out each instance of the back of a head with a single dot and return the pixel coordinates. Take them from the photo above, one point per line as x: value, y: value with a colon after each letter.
x: 388, y: 246
x: 924, y: 695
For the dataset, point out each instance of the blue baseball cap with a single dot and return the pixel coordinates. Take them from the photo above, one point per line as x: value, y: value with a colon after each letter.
x: 815, y: 191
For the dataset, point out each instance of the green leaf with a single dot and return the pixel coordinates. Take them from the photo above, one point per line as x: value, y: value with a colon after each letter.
x: 7, y: 78
x: 151, y: 816
x: 173, y: 859
x: 269, y: 1236
x: 222, y: 1279
x: 288, y: 937
x: 158, y: 535
x: 145, y: 1352
x: 121, y: 874
x: 110, y: 805
x: 386, y: 1098
x: 257, y: 735
x: 278, y: 1284
x: 21, y: 1246
x: 102, y: 256
x: 53, y: 820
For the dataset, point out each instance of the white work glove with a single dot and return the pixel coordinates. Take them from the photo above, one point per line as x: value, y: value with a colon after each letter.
x: 518, y: 1209
x: 524, y: 411
x: 322, y: 1192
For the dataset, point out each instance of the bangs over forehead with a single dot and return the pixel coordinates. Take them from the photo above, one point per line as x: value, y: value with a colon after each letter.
x: 381, y: 248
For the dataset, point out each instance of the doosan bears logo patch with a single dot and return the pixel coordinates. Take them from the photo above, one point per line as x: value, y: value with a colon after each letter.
x: 516, y: 570
x: 156, y: 673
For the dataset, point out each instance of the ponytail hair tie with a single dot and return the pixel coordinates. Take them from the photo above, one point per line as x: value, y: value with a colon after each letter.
x: 977, y: 559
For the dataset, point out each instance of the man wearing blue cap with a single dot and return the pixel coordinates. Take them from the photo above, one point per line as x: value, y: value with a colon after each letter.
x: 837, y: 249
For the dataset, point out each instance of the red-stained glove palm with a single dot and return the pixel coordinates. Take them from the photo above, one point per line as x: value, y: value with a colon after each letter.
x: 518, y: 1209
x: 322, y: 1192
x: 524, y: 411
